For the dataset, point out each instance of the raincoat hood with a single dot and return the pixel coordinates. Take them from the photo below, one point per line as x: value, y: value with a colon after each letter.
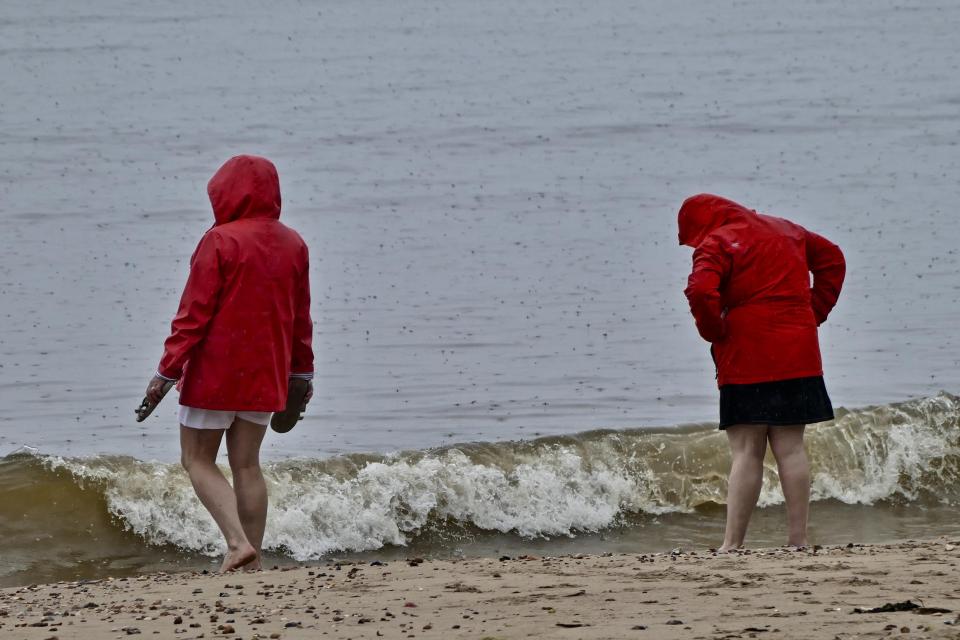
x: 704, y: 213
x: 245, y: 187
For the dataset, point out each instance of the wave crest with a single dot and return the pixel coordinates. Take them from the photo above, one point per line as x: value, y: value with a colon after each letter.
x: 558, y: 486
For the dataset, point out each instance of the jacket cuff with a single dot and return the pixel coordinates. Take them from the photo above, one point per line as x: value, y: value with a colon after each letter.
x: 307, y: 375
x: 160, y: 375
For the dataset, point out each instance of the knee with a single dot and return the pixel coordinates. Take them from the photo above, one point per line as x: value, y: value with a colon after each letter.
x: 243, y: 466
x: 187, y: 461
x: 751, y: 464
x: 191, y: 462
x: 749, y: 457
x: 786, y: 450
x: 788, y: 456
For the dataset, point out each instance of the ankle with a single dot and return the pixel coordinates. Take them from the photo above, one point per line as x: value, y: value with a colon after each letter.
x: 238, y: 545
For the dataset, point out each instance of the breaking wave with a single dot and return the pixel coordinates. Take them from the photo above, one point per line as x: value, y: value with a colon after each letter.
x: 555, y: 486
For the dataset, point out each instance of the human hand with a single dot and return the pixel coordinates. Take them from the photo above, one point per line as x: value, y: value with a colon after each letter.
x: 307, y: 398
x: 154, y: 392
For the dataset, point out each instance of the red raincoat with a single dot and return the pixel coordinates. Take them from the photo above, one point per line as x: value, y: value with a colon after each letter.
x: 243, y: 326
x: 750, y: 290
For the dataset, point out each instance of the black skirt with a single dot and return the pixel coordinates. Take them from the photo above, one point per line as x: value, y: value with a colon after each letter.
x: 784, y: 402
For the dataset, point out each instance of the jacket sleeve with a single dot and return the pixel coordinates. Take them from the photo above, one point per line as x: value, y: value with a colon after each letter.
x: 711, y: 265
x: 301, y: 362
x: 825, y: 261
x: 197, y: 306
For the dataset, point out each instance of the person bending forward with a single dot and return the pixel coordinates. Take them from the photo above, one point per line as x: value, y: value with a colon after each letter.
x: 751, y: 297
x: 242, y: 329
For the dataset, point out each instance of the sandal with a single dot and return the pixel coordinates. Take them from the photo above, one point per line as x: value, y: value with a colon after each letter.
x: 147, y: 406
x: 296, y: 404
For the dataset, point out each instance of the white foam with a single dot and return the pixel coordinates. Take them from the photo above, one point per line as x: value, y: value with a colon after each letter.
x: 894, y: 450
x: 532, y: 489
x: 312, y: 512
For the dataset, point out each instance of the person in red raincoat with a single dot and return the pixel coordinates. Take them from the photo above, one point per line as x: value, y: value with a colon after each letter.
x: 751, y: 296
x: 242, y: 330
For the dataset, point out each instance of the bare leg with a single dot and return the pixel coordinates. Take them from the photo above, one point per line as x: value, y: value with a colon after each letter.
x: 748, y: 444
x: 243, y: 450
x: 198, y: 455
x: 787, y: 445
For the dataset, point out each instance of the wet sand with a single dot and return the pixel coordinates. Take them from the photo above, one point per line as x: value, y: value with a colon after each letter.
x: 761, y: 593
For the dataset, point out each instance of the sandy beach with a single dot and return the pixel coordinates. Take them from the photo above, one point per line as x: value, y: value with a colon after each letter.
x: 823, y: 593
x: 506, y: 362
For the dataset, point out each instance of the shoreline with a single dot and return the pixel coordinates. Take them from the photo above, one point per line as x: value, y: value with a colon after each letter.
x: 632, y: 491
x: 698, y: 594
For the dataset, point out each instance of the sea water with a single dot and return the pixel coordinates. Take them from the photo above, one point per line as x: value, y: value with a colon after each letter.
x: 489, y: 192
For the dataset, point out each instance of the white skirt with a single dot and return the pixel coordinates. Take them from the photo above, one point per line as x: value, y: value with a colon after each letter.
x: 210, y: 419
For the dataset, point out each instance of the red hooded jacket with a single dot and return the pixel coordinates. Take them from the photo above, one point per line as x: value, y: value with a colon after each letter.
x: 243, y: 326
x: 750, y: 290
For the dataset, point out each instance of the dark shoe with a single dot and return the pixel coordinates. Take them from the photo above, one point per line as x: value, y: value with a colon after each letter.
x: 296, y: 404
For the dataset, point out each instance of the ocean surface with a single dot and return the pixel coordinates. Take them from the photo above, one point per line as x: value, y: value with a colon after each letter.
x: 489, y: 190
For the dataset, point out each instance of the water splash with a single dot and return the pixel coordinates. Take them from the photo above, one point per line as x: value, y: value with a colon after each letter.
x: 547, y: 487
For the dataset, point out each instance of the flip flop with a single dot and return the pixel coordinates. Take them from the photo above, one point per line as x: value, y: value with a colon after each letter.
x: 287, y: 419
x: 146, y: 407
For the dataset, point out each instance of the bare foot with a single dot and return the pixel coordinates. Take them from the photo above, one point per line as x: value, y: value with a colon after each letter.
x: 727, y: 549
x: 238, y: 557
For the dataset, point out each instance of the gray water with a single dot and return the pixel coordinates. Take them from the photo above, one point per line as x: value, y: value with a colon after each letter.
x: 489, y: 192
